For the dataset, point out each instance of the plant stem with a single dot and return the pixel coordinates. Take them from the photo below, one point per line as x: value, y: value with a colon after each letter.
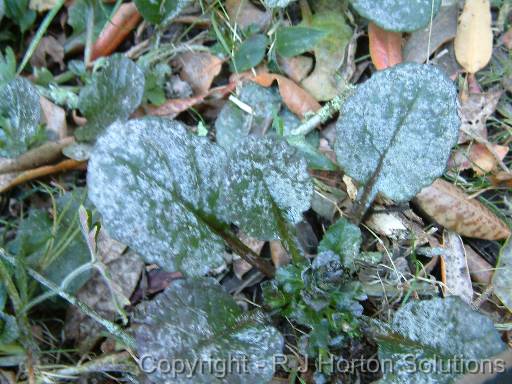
x: 111, y: 327
x: 39, y: 35
x: 324, y: 114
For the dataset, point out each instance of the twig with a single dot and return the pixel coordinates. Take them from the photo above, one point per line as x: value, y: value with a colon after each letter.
x: 42, y: 155
x: 112, y: 328
x: 66, y: 165
x: 324, y: 114
x: 39, y: 35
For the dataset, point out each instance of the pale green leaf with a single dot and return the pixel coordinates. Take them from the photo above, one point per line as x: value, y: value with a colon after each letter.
x: 295, y: 40
x: 161, y: 11
x: 250, y: 53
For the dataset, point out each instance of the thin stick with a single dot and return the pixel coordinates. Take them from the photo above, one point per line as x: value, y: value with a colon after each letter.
x: 324, y: 114
x: 39, y: 35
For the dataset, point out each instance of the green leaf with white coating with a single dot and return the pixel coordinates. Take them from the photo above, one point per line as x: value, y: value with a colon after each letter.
x: 266, y: 185
x: 398, y: 15
x: 156, y: 187
x: 20, y: 113
x: 425, y: 337
x: 114, y: 93
x: 196, y: 320
x: 396, y: 131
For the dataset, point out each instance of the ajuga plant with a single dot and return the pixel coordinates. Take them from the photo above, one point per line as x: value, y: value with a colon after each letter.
x: 178, y: 199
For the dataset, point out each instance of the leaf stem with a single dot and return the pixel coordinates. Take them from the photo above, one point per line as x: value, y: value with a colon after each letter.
x: 111, y: 327
x: 39, y: 35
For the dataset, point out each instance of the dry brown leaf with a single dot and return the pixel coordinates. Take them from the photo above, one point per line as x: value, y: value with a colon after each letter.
x: 474, y: 112
x: 385, y: 47
x: 454, y: 268
x: 48, y: 47
x: 479, y: 269
x: 296, y: 99
x: 244, y: 14
x: 473, y: 43
x: 449, y: 206
x: 279, y: 255
x: 387, y: 224
x: 173, y: 107
x: 507, y: 39
x: 502, y: 179
x: 198, y: 69
x: 296, y: 67
x: 55, y: 119
x: 478, y: 157
x: 422, y: 43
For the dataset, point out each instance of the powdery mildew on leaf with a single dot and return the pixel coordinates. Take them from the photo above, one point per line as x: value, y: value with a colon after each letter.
x: 196, y: 320
x: 154, y: 184
x: 398, y: 15
x: 439, y: 329
x: 395, y: 133
x: 266, y: 181
x: 233, y: 123
x: 344, y: 240
x: 277, y: 3
x: 21, y: 112
x: 114, y: 93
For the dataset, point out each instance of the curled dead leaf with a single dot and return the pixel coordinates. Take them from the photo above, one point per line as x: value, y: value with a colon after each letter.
x: 296, y: 99
x: 478, y: 157
x: 385, y: 47
x: 245, y: 14
x: 198, y: 69
x: 449, y: 206
x: 473, y: 42
x: 479, y: 269
x: 296, y: 67
x: 454, y: 268
x: 474, y: 112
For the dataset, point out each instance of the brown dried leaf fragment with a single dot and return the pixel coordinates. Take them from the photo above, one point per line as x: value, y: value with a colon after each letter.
x: 198, y: 69
x: 449, y: 206
x: 296, y: 99
x: 474, y: 112
x: 244, y: 14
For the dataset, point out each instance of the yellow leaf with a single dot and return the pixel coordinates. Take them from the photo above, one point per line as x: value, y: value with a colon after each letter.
x: 473, y: 43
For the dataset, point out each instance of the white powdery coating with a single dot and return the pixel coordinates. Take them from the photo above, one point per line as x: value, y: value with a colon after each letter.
x: 147, y: 178
x: 398, y: 15
x: 197, y: 319
x: 264, y: 172
x: 406, y: 115
x: 19, y: 102
x: 114, y: 93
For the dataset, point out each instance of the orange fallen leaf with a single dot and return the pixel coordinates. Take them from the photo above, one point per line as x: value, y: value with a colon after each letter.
x: 502, y: 179
x: 483, y: 160
x: 385, y: 47
x: 173, y: 107
x: 296, y: 99
x: 449, y: 206
x: 115, y: 31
